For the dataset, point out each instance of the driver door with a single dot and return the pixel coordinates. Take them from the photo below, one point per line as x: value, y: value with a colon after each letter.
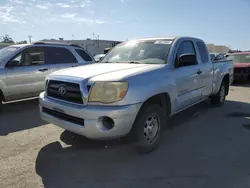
x: 25, y: 74
x: 187, y: 78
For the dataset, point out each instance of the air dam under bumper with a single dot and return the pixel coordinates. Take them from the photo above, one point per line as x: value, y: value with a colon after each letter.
x: 92, y: 117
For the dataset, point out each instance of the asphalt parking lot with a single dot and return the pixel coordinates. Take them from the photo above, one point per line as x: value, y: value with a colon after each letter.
x: 204, y: 147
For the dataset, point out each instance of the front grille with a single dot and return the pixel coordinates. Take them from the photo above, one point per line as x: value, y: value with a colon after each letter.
x: 72, y: 91
x: 63, y: 116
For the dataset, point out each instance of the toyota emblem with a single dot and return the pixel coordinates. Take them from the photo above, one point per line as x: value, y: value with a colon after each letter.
x: 62, y: 90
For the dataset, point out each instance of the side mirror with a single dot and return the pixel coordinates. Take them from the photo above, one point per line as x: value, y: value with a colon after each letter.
x: 186, y: 60
x: 12, y: 63
x: 98, y: 60
x: 219, y: 58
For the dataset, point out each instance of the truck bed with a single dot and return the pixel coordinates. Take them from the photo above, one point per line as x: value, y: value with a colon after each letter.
x: 219, y: 69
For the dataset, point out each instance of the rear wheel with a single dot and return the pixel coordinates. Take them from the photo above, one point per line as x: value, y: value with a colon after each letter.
x: 147, y: 128
x: 220, y: 97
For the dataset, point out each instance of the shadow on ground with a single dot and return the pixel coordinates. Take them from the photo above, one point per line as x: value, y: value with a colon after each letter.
x: 203, y: 148
x: 20, y: 116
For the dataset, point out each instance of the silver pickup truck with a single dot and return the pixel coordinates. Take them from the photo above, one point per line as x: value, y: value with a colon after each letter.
x: 134, y: 89
x: 23, y: 67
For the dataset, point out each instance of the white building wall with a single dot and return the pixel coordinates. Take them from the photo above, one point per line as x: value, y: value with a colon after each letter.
x: 212, y: 48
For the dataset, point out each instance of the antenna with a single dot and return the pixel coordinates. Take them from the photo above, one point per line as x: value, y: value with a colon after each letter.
x: 30, y: 38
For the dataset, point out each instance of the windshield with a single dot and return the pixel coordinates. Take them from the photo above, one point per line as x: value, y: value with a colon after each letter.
x: 7, y: 51
x: 239, y: 58
x: 141, y: 51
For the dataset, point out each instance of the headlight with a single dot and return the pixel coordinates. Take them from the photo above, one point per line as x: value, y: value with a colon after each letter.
x: 108, y: 92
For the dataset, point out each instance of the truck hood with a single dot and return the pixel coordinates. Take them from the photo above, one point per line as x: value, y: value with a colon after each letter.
x: 241, y: 65
x: 105, y: 71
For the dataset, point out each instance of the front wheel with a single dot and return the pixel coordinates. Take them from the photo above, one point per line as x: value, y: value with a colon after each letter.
x: 220, y: 97
x: 147, y: 128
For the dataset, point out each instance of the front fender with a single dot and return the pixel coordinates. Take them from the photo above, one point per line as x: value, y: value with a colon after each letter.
x: 139, y: 92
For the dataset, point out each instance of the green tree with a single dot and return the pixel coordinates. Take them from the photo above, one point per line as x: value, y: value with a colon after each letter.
x: 7, y: 39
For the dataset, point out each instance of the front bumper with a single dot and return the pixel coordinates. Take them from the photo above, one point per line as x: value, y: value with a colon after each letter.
x: 122, y: 116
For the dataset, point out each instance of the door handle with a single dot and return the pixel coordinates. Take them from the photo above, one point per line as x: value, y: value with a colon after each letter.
x: 74, y: 65
x: 199, y: 72
x: 43, y: 69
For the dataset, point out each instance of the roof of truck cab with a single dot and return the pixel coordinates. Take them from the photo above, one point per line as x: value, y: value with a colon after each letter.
x: 157, y: 38
x: 167, y: 38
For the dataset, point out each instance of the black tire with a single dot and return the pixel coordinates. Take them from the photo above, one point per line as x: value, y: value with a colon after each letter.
x: 141, y: 129
x: 219, y: 98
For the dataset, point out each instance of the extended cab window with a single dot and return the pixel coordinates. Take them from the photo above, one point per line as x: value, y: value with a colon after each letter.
x: 58, y: 55
x: 84, y: 55
x: 202, y: 51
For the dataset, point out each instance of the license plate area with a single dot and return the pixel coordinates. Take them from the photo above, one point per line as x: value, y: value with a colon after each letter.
x: 59, y: 113
x: 58, y: 110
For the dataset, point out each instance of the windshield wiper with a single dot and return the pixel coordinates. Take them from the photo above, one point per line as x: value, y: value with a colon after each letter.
x: 109, y: 62
x: 132, y: 62
x: 135, y: 62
